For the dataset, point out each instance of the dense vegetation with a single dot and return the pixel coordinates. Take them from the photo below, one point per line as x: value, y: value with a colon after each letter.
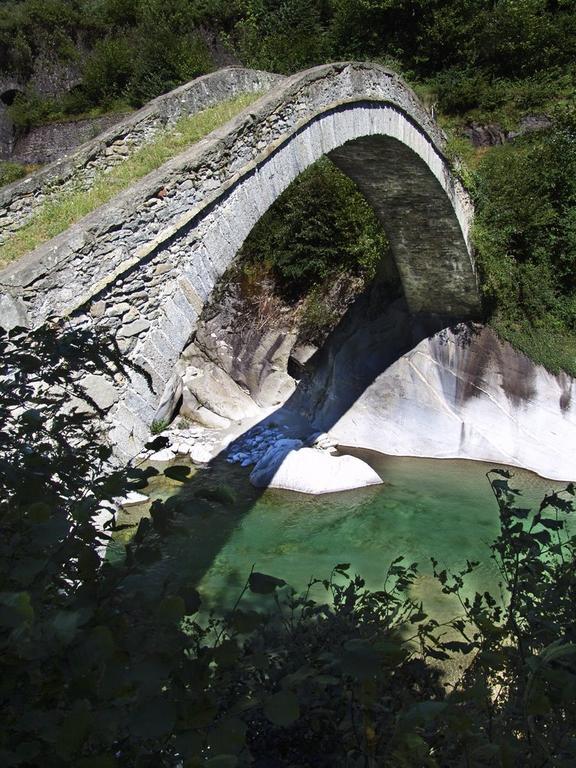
x: 526, y: 240
x: 103, y: 666
x: 310, y: 255
x: 321, y: 225
x: 478, y: 54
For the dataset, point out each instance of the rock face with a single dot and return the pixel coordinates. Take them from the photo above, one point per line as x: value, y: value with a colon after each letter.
x: 211, y: 387
x: 460, y: 394
x: 308, y: 470
x: 493, y: 135
x: 256, y: 358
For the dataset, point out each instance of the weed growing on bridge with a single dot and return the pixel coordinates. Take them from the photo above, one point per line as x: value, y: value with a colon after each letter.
x: 63, y: 211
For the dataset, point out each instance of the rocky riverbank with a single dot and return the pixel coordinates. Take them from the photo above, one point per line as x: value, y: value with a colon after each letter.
x: 385, y: 380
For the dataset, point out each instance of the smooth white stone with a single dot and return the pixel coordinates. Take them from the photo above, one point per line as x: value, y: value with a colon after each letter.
x: 310, y: 471
x: 166, y: 454
x: 200, y: 454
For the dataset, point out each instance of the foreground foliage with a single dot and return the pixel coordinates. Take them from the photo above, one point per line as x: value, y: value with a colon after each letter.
x: 100, y: 670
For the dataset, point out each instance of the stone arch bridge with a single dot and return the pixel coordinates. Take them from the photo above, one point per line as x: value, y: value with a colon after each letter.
x: 144, y: 264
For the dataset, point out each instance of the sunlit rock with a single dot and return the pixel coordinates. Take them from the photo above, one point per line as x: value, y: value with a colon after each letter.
x: 467, y: 396
x: 165, y: 454
x: 307, y: 470
x: 213, y: 389
x: 200, y: 454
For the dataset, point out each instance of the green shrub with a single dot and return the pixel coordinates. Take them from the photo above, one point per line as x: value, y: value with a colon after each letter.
x: 10, y: 172
x: 320, y: 226
x: 460, y: 90
x: 30, y: 109
x: 318, y: 318
x: 158, y: 426
x: 285, y: 37
x: 108, y: 70
x: 525, y: 236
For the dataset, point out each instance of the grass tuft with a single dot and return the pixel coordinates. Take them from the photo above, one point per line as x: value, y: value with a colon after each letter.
x: 58, y: 214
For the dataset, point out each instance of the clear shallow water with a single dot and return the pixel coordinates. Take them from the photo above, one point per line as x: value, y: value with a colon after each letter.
x: 439, y: 508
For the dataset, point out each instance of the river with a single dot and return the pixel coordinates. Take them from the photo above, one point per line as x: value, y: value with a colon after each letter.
x: 426, y: 508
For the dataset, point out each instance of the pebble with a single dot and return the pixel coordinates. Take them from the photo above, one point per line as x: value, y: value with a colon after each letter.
x: 166, y: 454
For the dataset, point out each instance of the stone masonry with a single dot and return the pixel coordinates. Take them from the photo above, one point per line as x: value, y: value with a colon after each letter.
x: 19, y: 201
x: 143, y: 265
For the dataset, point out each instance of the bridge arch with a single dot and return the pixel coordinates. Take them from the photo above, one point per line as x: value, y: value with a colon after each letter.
x: 144, y: 264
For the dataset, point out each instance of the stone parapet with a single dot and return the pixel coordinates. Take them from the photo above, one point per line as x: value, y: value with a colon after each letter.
x: 20, y: 200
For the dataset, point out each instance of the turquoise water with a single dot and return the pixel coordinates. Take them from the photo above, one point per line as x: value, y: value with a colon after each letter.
x: 439, y: 508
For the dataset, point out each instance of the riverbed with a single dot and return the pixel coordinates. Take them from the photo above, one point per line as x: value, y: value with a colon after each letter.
x: 426, y: 508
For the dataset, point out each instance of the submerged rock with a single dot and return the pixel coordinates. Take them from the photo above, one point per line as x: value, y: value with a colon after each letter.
x: 311, y: 471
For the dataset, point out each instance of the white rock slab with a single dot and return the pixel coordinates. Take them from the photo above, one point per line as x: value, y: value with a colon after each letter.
x: 200, y: 454
x: 166, y: 454
x: 310, y: 471
x: 476, y: 399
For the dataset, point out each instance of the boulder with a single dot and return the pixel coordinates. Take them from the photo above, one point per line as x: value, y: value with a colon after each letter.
x: 166, y: 454
x: 209, y: 419
x: 100, y: 389
x: 269, y: 464
x: 310, y: 471
x: 170, y: 398
x: 299, y: 357
x: 276, y: 389
x: 200, y: 454
x: 216, y: 391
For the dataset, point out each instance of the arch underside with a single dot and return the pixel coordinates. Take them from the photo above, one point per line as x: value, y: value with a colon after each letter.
x: 426, y: 240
